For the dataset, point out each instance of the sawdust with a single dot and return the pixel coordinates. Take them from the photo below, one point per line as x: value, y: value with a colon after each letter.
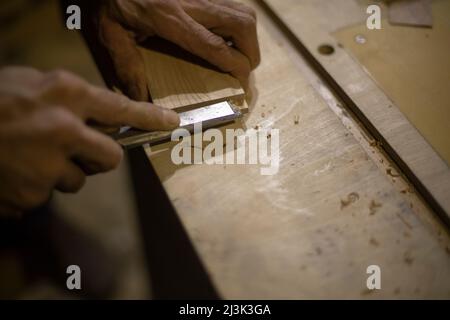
x: 374, y: 242
x: 374, y: 206
x: 351, y: 198
x: 392, y: 173
x: 407, y: 190
x: 408, y: 258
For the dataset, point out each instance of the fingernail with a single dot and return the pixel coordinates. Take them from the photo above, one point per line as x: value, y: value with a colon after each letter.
x: 172, y: 118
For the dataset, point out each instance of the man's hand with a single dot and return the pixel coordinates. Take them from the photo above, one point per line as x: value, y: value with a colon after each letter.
x: 202, y: 27
x: 44, y: 140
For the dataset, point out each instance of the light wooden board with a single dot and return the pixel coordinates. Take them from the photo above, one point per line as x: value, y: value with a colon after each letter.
x: 311, y: 230
x: 409, y: 64
x: 177, y: 80
x: 313, y: 23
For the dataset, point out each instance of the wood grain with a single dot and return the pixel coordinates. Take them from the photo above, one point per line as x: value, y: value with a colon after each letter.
x: 311, y: 230
x: 177, y: 80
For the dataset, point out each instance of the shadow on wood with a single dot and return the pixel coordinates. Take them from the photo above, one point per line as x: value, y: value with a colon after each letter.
x: 176, y: 271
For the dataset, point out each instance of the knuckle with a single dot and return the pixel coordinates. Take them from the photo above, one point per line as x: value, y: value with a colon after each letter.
x: 60, y: 118
x: 61, y: 124
x: 217, y: 50
x: 153, y: 5
x: 60, y: 82
x: 116, y: 157
x: 61, y: 78
x: 247, y: 23
x: 159, y: 11
x: 249, y: 10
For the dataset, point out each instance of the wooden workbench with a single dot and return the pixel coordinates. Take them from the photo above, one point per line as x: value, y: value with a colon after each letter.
x: 337, y: 205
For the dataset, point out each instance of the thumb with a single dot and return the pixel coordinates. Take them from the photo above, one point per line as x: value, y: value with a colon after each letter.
x: 127, y: 61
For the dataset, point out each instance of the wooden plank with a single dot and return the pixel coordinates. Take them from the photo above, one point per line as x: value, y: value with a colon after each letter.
x: 311, y: 230
x: 178, y: 80
x: 312, y: 26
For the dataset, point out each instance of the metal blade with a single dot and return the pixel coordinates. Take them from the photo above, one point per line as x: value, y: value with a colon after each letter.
x: 210, y: 116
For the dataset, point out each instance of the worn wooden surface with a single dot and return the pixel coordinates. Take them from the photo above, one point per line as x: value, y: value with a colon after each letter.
x: 181, y: 81
x: 336, y: 206
x: 311, y: 23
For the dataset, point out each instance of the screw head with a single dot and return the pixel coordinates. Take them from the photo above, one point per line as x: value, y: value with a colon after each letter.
x: 359, y: 38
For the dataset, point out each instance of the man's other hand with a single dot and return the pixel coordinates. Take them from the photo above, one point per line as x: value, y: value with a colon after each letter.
x: 45, y: 142
x: 202, y: 27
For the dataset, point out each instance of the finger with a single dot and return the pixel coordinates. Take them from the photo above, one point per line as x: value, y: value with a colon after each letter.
x: 72, y: 178
x: 126, y: 59
x: 211, y: 47
x: 104, y: 106
x: 242, y: 29
x: 229, y: 23
x: 236, y: 6
x: 94, y: 152
x: 112, y: 109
